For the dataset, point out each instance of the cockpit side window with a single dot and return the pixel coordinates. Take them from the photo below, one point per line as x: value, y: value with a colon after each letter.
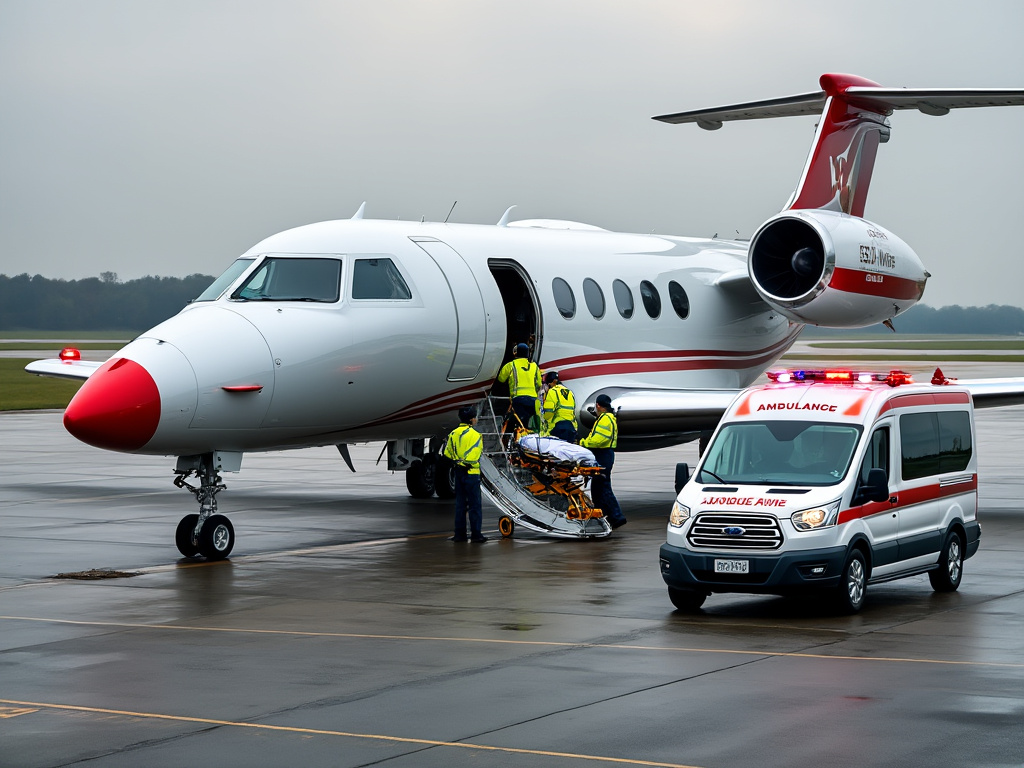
x: 293, y: 279
x: 221, y: 284
x: 378, y: 279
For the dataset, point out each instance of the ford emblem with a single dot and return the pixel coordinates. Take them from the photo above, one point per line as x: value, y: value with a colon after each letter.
x: 734, y: 530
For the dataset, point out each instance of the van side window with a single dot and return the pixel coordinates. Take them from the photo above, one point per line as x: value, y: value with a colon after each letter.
x: 933, y: 443
x: 378, y: 279
x: 877, y: 454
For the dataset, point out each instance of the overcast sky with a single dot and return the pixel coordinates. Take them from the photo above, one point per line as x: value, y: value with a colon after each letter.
x: 167, y: 137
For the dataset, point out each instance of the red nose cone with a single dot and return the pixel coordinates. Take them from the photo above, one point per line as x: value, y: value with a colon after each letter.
x: 118, y: 407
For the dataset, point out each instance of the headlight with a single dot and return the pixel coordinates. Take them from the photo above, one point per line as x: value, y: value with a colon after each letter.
x: 679, y: 515
x: 816, y: 517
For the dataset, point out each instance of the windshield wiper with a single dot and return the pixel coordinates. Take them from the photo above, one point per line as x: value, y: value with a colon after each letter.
x: 720, y: 480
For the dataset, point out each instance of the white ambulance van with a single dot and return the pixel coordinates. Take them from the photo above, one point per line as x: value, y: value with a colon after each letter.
x: 828, y: 480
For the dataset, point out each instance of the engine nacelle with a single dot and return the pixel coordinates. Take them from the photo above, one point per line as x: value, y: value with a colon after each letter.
x: 825, y: 268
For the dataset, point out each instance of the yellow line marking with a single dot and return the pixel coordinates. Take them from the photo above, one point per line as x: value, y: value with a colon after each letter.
x: 15, y: 711
x: 503, y: 641
x: 347, y: 734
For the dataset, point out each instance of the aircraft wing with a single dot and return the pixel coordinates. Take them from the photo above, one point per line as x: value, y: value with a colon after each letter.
x: 993, y: 393
x: 63, y: 369
x: 650, y: 418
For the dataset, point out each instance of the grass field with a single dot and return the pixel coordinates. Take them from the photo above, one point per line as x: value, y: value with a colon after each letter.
x: 58, y: 345
x: 61, y: 337
x: 20, y: 391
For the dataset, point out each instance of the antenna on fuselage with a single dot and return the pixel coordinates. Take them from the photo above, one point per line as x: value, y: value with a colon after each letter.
x: 503, y: 221
x: 450, y: 211
x: 359, y: 214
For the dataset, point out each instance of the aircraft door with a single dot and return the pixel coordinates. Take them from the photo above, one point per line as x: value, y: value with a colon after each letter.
x: 470, y: 316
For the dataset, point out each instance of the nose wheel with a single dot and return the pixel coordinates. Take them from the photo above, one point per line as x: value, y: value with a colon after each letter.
x: 207, y: 534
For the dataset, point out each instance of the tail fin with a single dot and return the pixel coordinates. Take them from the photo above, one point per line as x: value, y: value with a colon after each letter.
x: 853, y: 123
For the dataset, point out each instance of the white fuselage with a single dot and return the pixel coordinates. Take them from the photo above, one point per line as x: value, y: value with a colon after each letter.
x: 304, y: 373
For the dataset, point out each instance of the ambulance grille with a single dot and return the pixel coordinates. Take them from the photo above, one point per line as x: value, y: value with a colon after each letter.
x: 756, y: 531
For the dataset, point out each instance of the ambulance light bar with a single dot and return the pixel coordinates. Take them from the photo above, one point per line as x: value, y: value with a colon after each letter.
x: 839, y: 376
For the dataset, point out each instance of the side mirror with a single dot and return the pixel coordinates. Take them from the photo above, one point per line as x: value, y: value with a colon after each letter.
x: 877, y: 486
x: 682, y: 476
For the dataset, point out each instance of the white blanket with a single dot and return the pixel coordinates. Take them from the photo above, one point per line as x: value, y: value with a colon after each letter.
x: 558, y: 450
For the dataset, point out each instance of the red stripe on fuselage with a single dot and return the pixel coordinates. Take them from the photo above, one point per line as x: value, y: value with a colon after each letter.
x: 875, y: 284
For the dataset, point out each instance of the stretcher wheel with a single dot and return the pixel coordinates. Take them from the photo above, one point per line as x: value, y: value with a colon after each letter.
x: 506, y: 526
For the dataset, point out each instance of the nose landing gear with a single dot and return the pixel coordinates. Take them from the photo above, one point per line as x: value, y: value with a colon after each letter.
x: 207, y: 534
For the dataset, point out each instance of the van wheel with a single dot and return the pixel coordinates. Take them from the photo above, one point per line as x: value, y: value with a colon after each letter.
x: 687, y: 600
x: 854, y: 584
x: 947, y: 577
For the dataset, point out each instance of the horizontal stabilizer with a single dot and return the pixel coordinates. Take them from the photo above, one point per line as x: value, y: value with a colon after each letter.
x: 930, y: 101
x: 63, y: 369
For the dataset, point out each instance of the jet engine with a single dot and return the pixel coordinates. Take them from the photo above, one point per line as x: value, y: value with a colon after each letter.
x: 835, y: 270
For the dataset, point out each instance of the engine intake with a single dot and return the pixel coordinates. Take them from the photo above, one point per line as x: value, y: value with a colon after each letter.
x: 834, y: 270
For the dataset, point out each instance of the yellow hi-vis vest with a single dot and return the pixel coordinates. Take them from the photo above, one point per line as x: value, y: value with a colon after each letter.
x: 523, y: 377
x: 465, y: 446
x: 559, y: 405
x: 605, y: 433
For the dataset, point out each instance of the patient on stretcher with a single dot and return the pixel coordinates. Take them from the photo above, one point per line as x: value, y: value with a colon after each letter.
x: 553, y: 449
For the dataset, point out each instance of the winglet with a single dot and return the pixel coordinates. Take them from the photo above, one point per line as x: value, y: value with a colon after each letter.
x: 359, y: 214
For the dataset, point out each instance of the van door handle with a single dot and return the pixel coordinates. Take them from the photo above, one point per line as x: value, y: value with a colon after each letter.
x: 894, y: 499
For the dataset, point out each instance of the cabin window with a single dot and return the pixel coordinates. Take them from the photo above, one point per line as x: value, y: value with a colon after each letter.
x: 680, y: 301
x: 594, y: 297
x: 378, y: 279
x: 564, y: 298
x: 293, y: 279
x: 221, y: 284
x: 623, y: 298
x: 651, y: 298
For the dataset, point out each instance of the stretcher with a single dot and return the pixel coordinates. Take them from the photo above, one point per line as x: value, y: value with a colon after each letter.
x: 539, y: 482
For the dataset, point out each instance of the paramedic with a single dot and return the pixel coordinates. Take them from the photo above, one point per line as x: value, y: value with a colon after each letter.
x: 559, y: 409
x: 523, y: 377
x: 602, y: 440
x: 464, y: 447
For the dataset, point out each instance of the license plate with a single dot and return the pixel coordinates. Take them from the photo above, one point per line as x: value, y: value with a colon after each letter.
x: 732, y: 566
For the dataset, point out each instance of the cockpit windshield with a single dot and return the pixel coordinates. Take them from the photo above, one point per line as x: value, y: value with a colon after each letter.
x: 780, y: 453
x: 221, y: 284
x: 293, y: 279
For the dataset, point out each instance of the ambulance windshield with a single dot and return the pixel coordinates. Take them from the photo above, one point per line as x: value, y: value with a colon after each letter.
x: 780, y: 453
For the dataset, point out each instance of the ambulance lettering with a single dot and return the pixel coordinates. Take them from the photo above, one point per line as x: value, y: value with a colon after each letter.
x: 747, y: 501
x: 797, y: 407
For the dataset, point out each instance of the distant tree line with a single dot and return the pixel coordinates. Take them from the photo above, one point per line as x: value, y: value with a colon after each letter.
x: 993, y: 320
x: 95, y: 303
x: 105, y: 303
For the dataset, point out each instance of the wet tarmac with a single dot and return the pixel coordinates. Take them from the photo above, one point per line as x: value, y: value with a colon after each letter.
x: 346, y: 631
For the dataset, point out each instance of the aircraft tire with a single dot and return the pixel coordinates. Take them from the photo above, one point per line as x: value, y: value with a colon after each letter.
x: 444, y: 478
x: 183, y: 536
x: 217, y: 538
x: 419, y: 479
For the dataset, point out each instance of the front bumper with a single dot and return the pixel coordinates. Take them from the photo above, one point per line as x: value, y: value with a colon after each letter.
x: 779, y: 573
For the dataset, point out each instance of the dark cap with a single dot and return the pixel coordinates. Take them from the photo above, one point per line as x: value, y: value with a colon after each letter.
x: 521, y: 350
x: 551, y: 377
x: 467, y: 413
x: 604, y: 401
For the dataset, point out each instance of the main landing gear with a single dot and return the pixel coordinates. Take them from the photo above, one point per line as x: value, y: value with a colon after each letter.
x: 207, y: 534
